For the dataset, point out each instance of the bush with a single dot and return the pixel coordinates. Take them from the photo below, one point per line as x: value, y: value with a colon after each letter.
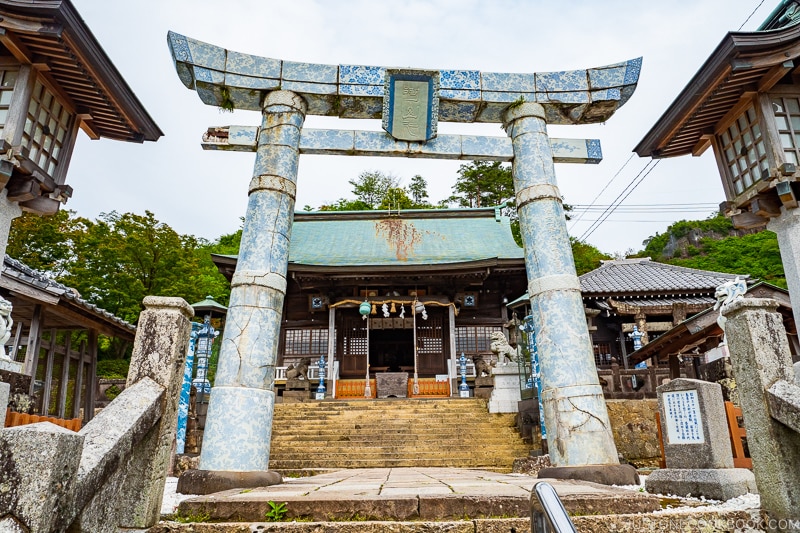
x: 112, y: 369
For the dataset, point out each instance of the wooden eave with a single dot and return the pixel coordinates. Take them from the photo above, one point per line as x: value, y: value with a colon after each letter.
x: 630, y: 307
x: 743, y: 62
x: 702, y: 327
x: 51, y: 34
x: 685, y: 335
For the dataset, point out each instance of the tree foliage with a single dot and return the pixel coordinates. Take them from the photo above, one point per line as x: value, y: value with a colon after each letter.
x: 118, y: 259
x: 376, y: 190
x: 586, y: 256
x: 483, y: 184
x: 715, y: 245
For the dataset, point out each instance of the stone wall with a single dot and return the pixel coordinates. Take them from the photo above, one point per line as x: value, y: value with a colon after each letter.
x: 635, y: 433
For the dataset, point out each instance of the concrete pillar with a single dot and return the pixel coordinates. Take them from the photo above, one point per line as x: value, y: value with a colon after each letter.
x: 787, y: 228
x: 239, y: 424
x: 38, y: 477
x: 760, y: 357
x: 578, y: 428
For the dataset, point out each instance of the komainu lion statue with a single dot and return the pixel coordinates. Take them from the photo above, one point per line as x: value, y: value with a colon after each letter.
x: 298, y: 371
x: 482, y: 367
x: 504, y: 351
x: 726, y: 294
x: 6, y: 324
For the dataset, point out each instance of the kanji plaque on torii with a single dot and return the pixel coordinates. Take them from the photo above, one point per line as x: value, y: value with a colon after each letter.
x: 411, y: 103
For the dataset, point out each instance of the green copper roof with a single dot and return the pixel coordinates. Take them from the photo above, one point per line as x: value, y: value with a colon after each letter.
x: 366, y: 238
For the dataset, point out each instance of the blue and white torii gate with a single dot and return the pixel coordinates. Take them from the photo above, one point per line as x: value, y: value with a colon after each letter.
x: 410, y: 102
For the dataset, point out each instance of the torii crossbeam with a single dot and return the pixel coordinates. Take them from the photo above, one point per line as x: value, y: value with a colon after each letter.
x: 410, y: 103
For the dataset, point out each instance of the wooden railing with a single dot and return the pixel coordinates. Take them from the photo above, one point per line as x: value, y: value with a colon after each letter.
x: 738, y: 436
x: 353, y: 389
x: 429, y: 388
x: 631, y: 384
x: 14, y: 419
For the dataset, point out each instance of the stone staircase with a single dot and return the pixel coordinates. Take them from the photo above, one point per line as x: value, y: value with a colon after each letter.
x: 393, y: 433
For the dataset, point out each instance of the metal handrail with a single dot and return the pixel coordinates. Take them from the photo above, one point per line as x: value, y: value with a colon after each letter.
x: 554, y: 517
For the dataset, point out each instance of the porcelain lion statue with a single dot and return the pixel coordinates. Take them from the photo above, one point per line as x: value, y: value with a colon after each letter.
x: 6, y: 324
x: 482, y: 367
x: 726, y: 294
x: 500, y: 347
x: 300, y: 370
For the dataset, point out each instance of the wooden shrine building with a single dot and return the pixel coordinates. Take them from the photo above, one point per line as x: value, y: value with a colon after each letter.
x: 55, y: 335
x: 653, y: 296
x: 461, y: 265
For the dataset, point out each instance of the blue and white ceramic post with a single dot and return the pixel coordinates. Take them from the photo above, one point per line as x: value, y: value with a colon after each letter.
x: 536, y: 372
x: 463, y: 388
x: 239, y: 424
x: 321, y: 389
x: 575, y: 412
x: 186, y: 389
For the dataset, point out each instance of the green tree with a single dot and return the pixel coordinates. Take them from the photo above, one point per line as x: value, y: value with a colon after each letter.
x: 371, y: 187
x: 117, y: 260
x: 586, y: 256
x: 418, y: 190
x: 45, y: 243
x: 719, y: 248
x: 482, y: 184
x: 396, y: 198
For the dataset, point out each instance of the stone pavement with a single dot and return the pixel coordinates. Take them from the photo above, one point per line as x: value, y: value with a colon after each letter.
x: 404, y: 494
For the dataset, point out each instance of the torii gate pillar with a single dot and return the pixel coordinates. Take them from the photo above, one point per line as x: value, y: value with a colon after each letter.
x: 578, y: 428
x: 239, y: 423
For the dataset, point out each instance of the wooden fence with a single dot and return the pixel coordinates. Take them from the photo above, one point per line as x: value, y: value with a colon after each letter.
x: 631, y: 384
x: 20, y: 419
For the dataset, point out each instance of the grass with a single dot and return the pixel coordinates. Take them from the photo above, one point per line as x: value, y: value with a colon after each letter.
x: 277, y: 512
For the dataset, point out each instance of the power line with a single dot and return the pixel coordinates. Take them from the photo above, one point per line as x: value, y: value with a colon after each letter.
x: 750, y: 15
x: 604, y: 188
x: 615, y: 204
x: 620, y: 198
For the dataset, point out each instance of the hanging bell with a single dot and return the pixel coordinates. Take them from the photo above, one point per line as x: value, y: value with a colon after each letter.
x: 364, y: 308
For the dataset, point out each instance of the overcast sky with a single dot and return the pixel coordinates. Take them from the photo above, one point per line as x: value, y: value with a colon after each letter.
x: 205, y: 193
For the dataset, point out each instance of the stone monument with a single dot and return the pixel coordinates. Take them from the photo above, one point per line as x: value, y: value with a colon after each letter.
x: 697, y: 444
x: 410, y: 103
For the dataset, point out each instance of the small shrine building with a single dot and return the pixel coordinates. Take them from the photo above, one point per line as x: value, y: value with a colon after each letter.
x: 462, y: 265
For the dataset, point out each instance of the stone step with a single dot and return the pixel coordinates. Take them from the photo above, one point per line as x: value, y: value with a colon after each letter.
x: 393, y: 433
x: 500, y: 465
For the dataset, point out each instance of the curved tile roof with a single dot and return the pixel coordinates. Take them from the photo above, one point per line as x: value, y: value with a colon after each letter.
x: 644, y: 275
x: 12, y: 268
x: 413, y: 237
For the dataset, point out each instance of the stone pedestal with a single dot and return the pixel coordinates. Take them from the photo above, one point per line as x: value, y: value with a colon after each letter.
x: 392, y: 384
x: 697, y: 444
x: 505, y: 396
x: 484, y: 387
